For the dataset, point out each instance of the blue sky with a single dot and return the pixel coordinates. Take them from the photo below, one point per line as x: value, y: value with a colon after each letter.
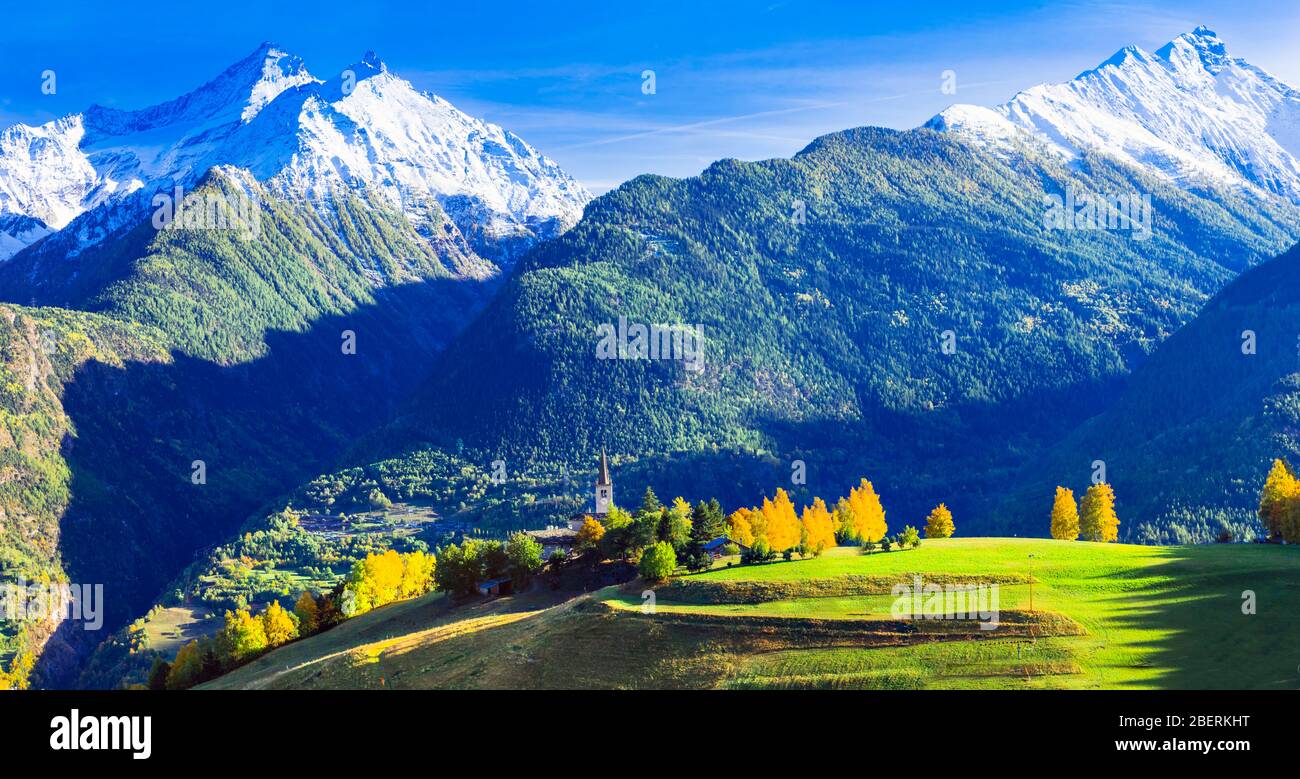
x: 733, y: 79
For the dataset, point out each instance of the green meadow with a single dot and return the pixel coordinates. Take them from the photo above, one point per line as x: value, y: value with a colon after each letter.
x: 1103, y: 616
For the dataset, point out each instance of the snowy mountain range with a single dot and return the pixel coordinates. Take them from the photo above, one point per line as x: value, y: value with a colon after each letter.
x: 303, y: 137
x: 1188, y: 112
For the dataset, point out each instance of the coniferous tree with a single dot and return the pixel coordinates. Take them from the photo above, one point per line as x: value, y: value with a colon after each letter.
x: 158, y: 674
x: 707, y: 522
x: 650, y: 502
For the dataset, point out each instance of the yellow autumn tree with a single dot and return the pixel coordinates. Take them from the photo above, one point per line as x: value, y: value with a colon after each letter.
x: 682, y: 508
x: 818, y: 528
x: 939, y: 523
x: 1097, y: 518
x: 589, y: 535
x: 417, y: 574
x: 244, y: 636
x: 845, y: 524
x: 1288, y: 511
x: 308, y: 613
x: 375, y: 580
x: 1065, y: 516
x: 279, y: 625
x: 739, y: 527
x: 868, y: 515
x: 783, y: 529
x: 16, y: 678
x: 1278, y: 487
x: 186, y: 667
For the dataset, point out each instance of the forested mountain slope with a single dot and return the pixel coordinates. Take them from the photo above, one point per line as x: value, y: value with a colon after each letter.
x: 41, y: 353
x: 824, y: 334
x: 1188, y: 444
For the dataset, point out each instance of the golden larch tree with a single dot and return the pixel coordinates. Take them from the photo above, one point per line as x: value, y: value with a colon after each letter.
x: 417, y: 573
x: 1065, y: 516
x: 783, y: 529
x: 589, y: 534
x: 279, y: 625
x: 939, y: 523
x: 1097, y: 518
x: 818, y: 528
x: 868, y: 512
x: 1279, y: 484
x: 739, y: 528
x: 308, y: 613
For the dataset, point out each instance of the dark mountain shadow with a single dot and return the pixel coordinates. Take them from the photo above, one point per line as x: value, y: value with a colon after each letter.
x: 1192, y: 606
x: 137, y: 516
x: 964, y: 455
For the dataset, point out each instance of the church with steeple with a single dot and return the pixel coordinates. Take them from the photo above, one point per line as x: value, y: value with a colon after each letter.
x: 562, y: 538
x: 604, y: 498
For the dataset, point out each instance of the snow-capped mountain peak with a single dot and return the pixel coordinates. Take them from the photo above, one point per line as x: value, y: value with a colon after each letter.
x: 1199, y: 48
x: 1189, y: 112
x: 365, y: 127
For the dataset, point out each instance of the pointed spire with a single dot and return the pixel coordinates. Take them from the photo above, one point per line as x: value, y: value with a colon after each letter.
x: 603, y: 479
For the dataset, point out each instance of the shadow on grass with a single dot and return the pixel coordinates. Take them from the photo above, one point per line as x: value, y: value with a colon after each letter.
x: 1193, y: 608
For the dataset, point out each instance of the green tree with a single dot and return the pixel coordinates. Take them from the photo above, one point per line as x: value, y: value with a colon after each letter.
x: 459, y: 569
x: 846, y: 524
x: 650, y: 503
x: 707, y: 522
x: 658, y: 562
x: 525, y: 556
x: 378, y: 500
x: 675, y: 525
x: 158, y: 674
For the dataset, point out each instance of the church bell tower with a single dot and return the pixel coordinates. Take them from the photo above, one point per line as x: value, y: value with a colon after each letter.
x: 604, y: 488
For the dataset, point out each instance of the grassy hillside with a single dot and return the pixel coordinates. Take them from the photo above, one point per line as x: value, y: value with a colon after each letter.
x: 1104, y: 616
